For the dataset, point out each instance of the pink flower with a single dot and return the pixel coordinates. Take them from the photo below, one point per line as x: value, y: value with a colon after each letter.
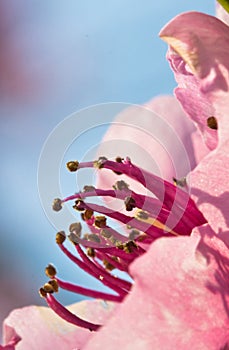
x: 180, y: 295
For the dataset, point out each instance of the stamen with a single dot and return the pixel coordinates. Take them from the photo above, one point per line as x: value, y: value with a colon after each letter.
x: 112, y: 282
x: 68, y: 316
x: 173, y: 212
x: 87, y: 292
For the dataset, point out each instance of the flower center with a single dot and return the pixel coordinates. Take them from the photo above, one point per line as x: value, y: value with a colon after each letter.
x: 171, y: 212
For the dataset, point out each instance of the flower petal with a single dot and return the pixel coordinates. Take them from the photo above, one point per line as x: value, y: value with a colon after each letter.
x: 199, y: 57
x: 209, y: 183
x: 158, y: 136
x: 40, y: 328
x: 179, y: 301
x: 222, y: 14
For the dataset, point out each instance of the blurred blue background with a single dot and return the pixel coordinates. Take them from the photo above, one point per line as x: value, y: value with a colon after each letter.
x: 57, y: 57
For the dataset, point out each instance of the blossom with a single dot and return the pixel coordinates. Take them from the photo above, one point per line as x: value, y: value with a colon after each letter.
x: 184, y: 281
x: 179, y: 293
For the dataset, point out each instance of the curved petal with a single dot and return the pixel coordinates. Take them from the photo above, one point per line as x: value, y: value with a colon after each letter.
x: 39, y: 328
x: 180, y: 299
x: 158, y: 136
x: 209, y: 183
x: 198, y: 54
x: 222, y: 14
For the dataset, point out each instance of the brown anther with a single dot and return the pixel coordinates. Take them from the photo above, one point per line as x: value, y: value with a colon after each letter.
x: 74, y: 238
x: 130, y: 247
x: 82, y: 216
x: 134, y: 234
x: 108, y: 266
x: 142, y: 237
x: 180, y: 182
x: 60, y: 237
x: 92, y: 237
x: 48, y: 288
x: 79, y: 205
x: 42, y: 292
x: 100, y: 162
x: 88, y: 214
x: 212, y: 123
x: 100, y: 221
x: 129, y: 203
x: 129, y: 227
x: 105, y: 232
x: 50, y: 271
x: 57, y: 204
x: 72, y: 165
x: 76, y: 228
x: 114, y: 241
x: 141, y: 214
x: 119, y: 245
x: 54, y: 285
x: 120, y: 185
x: 88, y: 188
x: 118, y: 160
x: 91, y: 252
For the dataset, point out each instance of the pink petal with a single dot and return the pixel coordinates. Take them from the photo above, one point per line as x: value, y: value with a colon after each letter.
x: 179, y: 301
x: 199, y: 57
x: 40, y: 328
x: 157, y: 136
x: 222, y: 14
x: 209, y: 183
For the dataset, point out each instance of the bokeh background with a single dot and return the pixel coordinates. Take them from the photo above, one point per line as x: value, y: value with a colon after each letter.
x: 57, y: 57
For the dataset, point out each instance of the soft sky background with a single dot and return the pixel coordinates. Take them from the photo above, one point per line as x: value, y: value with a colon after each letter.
x: 57, y: 57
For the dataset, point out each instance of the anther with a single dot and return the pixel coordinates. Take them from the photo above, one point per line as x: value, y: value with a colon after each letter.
x: 79, y: 205
x: 118, y: 160
x: 50, y: 271
x: 108, y: 266
x: 100, y: 162
x: 134, y: 234
x: 91, y: 252
x: 76, y: 228
x: 120, y: 185
x: 60, y: 237
x: 106, y: 233
x: 54, y: 285
x: 72, y: 165
x: 129, y: 203
x: 73, y: 237
x: 57, y: 204
x: 130, y: 247
x: 100, y: 221
x: 92, y: 237
x: 88, y: 214
x: 88, y: 188
x: 141, y: 214
x: 42, y: 292
x: 48, y: 288
x: 212, y: 123
x: 180, y: 182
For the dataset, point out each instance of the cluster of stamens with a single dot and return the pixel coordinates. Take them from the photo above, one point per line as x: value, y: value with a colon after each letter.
x: 170, y: 212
